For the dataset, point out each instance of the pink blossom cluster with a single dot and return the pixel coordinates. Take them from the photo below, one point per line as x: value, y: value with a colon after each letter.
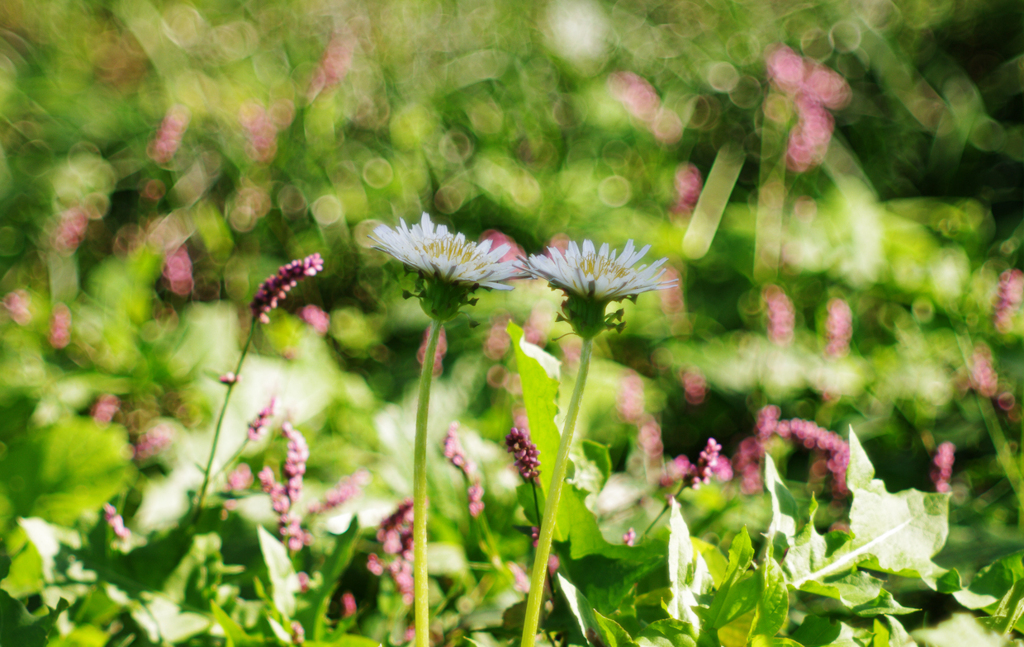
x: 814, y: 90
x: 838, y: 328
x: 284, y: 496
x: 240, y: 478
x: 695, y: 385
x: 629, y: 538
x: 475, y: 494
x: 168, y: 137
x: 334, y: 65
x: 276, y: 288
x: 60, y: 326
x: 439, y: 352
x: 983, y: 378
x: 629, y: 401
x: 395, y: 533
x: 116, y: 522
x: 942, y: 466
x: 178, y: 272
x: 1008, y: 299
x: 17, y: 305
x: 454, y: 452
x: 802, y: 433
x: 316, y: 318
x: 298, y: 633
x: 261, y: 127
x: 518, y: 443
x: 259, y: 424
x: 69, y: 232
x: 688, y: 184
x: 347, y: 488
x: 105, y: 407
x: 348, y: 605
x: 641, y: 101
x: 780, y: 315
x: 709, y: 464
x: 152, y: 442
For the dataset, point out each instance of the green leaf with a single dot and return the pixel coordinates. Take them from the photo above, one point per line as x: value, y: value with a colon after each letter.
x: 895, y: 634
x: 767, y: 641
x: 283, y: 581
x: 816, y: 631
x: 785, y: 511
x: 688, y: 575
x: 883, y: 604
x: 538, y: 374
x: 1009, y: 611
x: 668, y: 633
x: 600, y: 462
x: 959, y: 631
x: 597, y: 629
x: 21, y: 628
x: 896, y: 533
x: 992, y: 582
x: 320, y: 598
x: 233, y: 632
x: 772, y: 611
x: 727, y: 606
x: 860, y: 471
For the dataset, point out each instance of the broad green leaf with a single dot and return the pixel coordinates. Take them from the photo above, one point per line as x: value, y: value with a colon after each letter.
x: 896, y: 635
x: 21, y: 628
x: 895, y: 533
x: 785, y: 511
x: 538, y: 374
x: 593, y: 627
x: 727, y: 606
x: 772, y: 611
x: 860, y: 471
x: 331, y: 571
x: 596, y: 455
x: 233, y: 632
x: 584, y: 533
x: 962, y: 630
x: 766, y: 641
x: 605, y: 581
x: 668, y: 633
x: 1009, y: 611
x: 992, y: 582
x: 282, y: 574
x: 816, y: 631
x: 884, y: 604
x: 688, y: 575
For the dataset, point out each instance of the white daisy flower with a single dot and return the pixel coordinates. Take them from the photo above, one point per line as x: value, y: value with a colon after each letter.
x: 436, y: 253
x: 591, y: 279
x: 598, y: 275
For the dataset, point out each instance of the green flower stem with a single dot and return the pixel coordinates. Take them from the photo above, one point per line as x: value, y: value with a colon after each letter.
x: 419, y: 488
x: 220, y: 422
x: 547, y: 526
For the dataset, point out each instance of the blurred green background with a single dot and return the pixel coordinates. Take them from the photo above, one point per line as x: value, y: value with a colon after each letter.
x: 158, y: 160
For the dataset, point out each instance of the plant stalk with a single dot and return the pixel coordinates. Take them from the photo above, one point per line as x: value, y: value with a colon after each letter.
x: 220, y: 423
x: 421, y: 606
x: 547, y: 526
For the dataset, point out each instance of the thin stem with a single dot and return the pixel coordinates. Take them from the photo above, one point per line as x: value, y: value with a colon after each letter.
x: 220, y: 422
x: 547, y: 526
x: 665, y: 509
x: 419, y: 505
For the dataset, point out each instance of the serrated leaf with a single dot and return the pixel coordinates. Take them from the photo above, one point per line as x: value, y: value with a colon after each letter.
x: 785, y: 511
x: 1009, y: 611
x: 726, y: 606
x: 772, y: 610
x: 668, y: 633
x: 599, y: 631
x: 860, y: 472
x: 992, y: 582
x: 538, y: 375
x: 280, y: 571
x: 688, y: 575
x: 21, y: 628
x: 883, y: 604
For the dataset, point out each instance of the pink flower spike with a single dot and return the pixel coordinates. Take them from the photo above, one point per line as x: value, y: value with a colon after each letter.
x: 942, y: 469
x: 276, y: 288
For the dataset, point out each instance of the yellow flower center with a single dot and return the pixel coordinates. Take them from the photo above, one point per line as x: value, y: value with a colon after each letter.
x: 449, y: 247
x: 594, y: 265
